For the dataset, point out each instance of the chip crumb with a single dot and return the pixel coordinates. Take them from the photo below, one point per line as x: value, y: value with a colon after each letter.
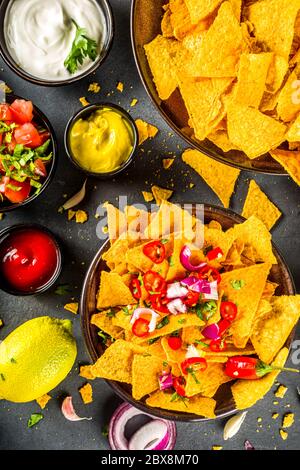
x: 86, y: 372
x: 145, y: 130
x: 133, y: 102
x: 161, y: 194
x: 105, y: 229
x: 281, y: 391
x: 283, y: 434
x: 81, y: 217
x: 191, y: 185
x: 288, y: 420
x: 259, y: 420
x: 148, y: 197
x: 120, y: 87
x: 94, y: 87
x: 71, y: 214
x: 72, y: 307
x: 42, y: 401
x: 2, y: 216
x: 84, y: 101
x: 86, y: 393
x: 275, y: 402
x: 1, y: 322
x: 275, y: 415
x: 168, y: 162
x: 216, y: 448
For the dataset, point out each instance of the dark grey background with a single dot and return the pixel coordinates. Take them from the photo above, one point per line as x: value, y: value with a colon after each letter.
x: 80, y: 244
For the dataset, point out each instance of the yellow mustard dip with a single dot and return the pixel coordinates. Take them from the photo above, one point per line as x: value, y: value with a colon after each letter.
x: 103, y: 142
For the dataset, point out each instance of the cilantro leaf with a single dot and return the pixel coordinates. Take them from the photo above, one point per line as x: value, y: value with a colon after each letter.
x: 82, y: 47
x: 165, y: 321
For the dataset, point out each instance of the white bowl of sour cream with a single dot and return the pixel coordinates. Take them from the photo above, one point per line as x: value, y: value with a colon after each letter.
x: 55, y: 42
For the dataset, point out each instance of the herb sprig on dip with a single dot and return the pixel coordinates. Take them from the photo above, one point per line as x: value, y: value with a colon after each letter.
x: 82, y: 47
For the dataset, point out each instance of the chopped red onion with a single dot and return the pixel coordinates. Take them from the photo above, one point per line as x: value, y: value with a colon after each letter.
x: 211, y: 331
x: 248, y: 445
x: 176, y: 290
x: 176, y: 306
x: 185, y: 256
x: 213, y: 294
x: 165, y: 381
x: 145, y: 311
x: 192, y: 351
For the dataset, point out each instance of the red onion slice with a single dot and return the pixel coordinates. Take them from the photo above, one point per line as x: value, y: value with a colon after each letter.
x: 211, y: 332
x: 185, y: 256
x: 165, y: 381
x: 213, y: 291
x: 159, y: 436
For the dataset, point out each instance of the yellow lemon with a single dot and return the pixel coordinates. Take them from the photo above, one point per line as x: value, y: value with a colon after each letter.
x: 35, y: 358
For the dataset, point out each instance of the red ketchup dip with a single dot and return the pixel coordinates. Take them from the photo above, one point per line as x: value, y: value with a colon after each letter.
x: 29, y: 259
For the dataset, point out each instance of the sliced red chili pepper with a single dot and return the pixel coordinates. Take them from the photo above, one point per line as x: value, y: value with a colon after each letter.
x: 228, y: 311
x: 159, y: 303
x: 140, y: 327
x: 218, y: 345
x: 215, y: 254
x: 179, y: 384
x: 155, y: 251
x: 209, y: 273
x: 199, y: 362
x: 154, y: 283
x: 135, y: 288
x: 175, y: 342
x: 223, y: 326
x: 250, y: 368
x: 191, y: 299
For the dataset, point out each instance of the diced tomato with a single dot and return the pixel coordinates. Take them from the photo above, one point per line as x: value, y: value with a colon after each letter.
x: 28, y: 136
x: 191, y: 299
x: 40, y: 168
x: 179, y: 384
x: 209, y: 273
x: 228, y: 311
x: 1, y: 139
x: 155, y: 251
x: 154, y: 283
x: 159, y: 302
x: 13, y: 195
x: 44, y: 136
x: 140, y: 328
x: 12, y: 145
x: 216, y: 253
x: 218, y: 345
x: 175, y: 343
x: 22, y: 111
x: 5, y: 113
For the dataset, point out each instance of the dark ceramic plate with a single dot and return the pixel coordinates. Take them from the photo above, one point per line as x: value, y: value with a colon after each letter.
x: 225, y: 405
x: 146, y: 18
x: 41, y: 120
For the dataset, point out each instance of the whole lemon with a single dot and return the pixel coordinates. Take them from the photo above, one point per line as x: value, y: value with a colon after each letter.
x: 35, y: 358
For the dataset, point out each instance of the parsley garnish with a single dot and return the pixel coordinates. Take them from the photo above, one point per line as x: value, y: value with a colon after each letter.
x: 164, y: 241
x: 126, y: 310
x: 176, y: 397
x: 103, y: 337
x: 201, y: 343
x: 191, y: 371
x: 182, y: 321
x: 171, y: 261
x: 206, y: 310
x: 165, y: 364
x: 82, y: 47
x: 237, y: 284
x: 34, y: 419
x: 111, y: 313
x: 165, y: 321
x: 153, y: 340
x: 104, y: 431
x: 63, y: 289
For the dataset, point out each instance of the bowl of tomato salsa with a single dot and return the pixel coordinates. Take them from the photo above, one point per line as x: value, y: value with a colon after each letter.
x: 28, y: 151
x: 30, y: 259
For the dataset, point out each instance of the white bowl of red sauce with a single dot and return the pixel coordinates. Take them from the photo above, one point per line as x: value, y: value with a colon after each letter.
x: 30, y: 259
x: 28, y: 153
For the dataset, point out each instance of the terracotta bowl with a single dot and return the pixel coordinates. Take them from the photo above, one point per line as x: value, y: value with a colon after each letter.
x: 225, y: 405
x: 146, y: 18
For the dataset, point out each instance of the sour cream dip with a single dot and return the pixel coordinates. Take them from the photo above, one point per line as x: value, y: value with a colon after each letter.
x: 39, y: 34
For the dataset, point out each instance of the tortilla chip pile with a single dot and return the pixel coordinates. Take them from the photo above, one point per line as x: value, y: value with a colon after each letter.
x: 263, y: 324
x: 237, y: 67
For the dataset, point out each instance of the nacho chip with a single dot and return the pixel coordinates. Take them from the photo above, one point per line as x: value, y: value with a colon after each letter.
x: 258, y: 204
x: 252, y: 131
x: 160, y: 64
x: 137, y: 221
x: 146, y: 131
x: 220, y: 139
x: 175, y: 323
x: 113, y: 291
x: 244, y: 287
x: 269, y: 290
x: 166, y: 26
x: 288, y: 108
x: 168, y: 219
x: 122, y: 319
x: 190, y: 334
x: 202, y: 99
x: 221, y: 46
x: 176, y: 270
x: 293, y: 134
x: 116, y: 362
x: 177, y: 356
x: 290, y: 162
x: 253, y: 232
x: 273, y: 22
x: 86, y: 372
x: 180, y: 19
x: 137, y: 258
x: 200, y: 9
x: 148, y: 197
x: 43, y: 401
x: 86, y: 393
x: 277, y: 72
x: 198, y: 405
x: 116, y: 222
x: 145, y: 373
x: 213, y: 376
x: 214, y: 174
x: 272, y: 329
x: 252, y: 76
x: 247, y: 392
x: 104, y: 323
x: 161, y: 194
